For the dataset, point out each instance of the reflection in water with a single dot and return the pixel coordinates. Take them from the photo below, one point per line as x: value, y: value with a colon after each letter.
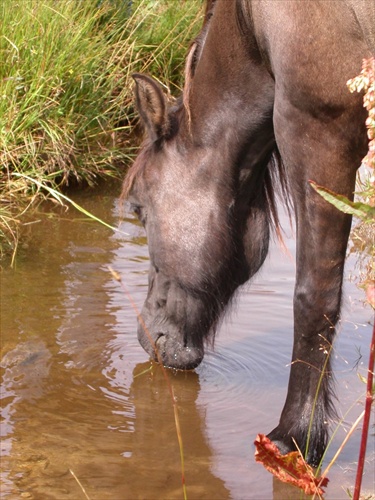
x: 78, y: 392
x: 155, y: 456
x: 70, y: 400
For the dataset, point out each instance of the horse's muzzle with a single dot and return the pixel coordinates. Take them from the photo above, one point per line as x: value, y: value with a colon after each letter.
x: 167, y: 349
x: 175, y: 355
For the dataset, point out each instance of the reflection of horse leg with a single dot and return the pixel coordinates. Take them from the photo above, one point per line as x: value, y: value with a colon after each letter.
x: 327, y: 151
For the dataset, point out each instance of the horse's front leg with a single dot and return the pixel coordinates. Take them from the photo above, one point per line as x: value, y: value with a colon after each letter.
x: 321, y: 245
x: 305, y: 417
x: 329, y: 155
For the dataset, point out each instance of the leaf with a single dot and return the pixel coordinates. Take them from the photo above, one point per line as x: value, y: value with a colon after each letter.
x: 342, y: 203
x: 362, y: 378
x: 290, y: 468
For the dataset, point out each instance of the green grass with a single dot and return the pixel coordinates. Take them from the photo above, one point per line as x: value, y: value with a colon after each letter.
x: 66, y: 111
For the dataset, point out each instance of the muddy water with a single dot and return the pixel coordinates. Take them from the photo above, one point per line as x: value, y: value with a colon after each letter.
x: 80, y: 396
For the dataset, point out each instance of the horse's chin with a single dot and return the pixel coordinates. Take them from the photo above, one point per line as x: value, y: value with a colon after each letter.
x: 168, y: 350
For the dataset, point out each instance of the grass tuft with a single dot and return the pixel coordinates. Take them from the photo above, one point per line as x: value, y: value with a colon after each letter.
x: 66, y: 98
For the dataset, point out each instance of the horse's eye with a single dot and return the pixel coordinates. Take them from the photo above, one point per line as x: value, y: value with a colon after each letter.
x: 138, y: 212
x: 136, y: 209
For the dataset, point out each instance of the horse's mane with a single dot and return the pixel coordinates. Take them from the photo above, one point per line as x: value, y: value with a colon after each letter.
x: 193, y: 56
x: 276, y: 187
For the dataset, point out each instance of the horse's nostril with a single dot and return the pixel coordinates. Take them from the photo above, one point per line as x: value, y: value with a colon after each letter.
x: 160, y: 341
x: 161, y: 303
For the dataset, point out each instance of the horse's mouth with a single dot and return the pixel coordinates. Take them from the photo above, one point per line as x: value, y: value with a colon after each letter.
x: 171, y: 352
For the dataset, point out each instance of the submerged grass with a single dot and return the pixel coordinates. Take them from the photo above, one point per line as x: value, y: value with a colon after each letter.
x: 66, y: 89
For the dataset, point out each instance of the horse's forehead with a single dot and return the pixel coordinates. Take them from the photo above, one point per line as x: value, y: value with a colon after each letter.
x: 168, y: 167
x: 147, y: 171
x: 182, y: 189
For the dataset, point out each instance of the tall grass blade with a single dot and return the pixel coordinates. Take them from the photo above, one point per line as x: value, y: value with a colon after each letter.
x: 118, y: 278
x: 59, y: 196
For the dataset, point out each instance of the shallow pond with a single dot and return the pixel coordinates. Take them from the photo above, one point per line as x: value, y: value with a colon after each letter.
x: 80, y: 396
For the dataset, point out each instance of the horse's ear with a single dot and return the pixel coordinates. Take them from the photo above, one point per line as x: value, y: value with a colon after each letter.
x: 151, y: 105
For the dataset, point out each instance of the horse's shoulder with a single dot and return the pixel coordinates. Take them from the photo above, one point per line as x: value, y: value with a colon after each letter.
x: 297, y: 21
x: 364, y: 11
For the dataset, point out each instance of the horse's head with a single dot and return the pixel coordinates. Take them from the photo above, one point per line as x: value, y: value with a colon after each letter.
x: 197, y: 226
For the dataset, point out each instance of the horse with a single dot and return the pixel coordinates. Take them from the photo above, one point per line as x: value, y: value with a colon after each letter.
x: 264, y: 110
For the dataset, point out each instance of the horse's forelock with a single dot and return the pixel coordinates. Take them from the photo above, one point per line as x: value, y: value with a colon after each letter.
x: 136, y: 169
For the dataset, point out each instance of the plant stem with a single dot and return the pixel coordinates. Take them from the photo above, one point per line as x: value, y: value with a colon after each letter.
x: 80, y: 484
x: 348, y: 436
x: 117, y: 277
x: 366, y: 419
x: 59, y: 196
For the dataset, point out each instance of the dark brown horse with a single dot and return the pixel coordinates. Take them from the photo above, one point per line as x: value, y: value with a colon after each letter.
x: 265, y: 107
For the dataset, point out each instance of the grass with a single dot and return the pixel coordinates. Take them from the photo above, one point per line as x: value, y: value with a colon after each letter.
x: 66, y: 98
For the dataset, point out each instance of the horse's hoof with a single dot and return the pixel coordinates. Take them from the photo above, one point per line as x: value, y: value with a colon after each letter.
x: 285, y: 444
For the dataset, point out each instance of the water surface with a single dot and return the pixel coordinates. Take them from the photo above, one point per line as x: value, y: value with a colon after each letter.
x: 79, y: 394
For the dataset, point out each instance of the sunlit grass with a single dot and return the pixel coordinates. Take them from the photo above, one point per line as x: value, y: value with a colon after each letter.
x: 66, y: 111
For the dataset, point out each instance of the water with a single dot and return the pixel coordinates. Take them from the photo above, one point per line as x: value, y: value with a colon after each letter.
x: 80, y: 396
